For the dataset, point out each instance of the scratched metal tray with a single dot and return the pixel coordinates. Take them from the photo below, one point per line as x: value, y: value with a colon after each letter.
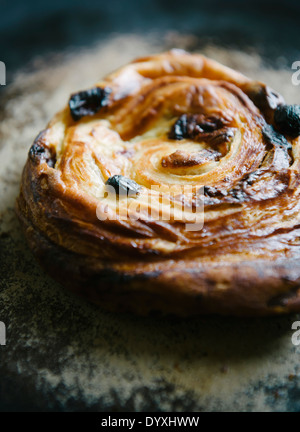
x: 64, y: 354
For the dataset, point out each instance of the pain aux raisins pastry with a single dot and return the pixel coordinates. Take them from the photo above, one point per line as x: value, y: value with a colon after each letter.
x: 165, y: 132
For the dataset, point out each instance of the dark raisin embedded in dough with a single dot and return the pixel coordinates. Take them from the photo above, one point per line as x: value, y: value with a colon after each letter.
x: 40, y: 153
x: 36, y: 151
x: 265, y: 98
x: 213, y: 192
x: 275, y: 138
x: 179, y: 130
x: 287, y: 120
x: 124, y: 185
x: 193, y: 125
x: 88, y: 102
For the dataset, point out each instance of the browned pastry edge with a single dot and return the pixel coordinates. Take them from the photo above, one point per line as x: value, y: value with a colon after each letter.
x: 227, y: 269
x: 256, y: 288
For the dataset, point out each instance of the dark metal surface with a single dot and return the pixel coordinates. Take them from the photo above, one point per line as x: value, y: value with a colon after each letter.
x: 63, y: 354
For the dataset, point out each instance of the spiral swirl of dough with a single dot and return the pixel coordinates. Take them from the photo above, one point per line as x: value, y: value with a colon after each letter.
x: 171, y: 121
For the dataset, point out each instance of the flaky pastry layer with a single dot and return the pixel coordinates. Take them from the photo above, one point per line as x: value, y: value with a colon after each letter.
x: 172, y: 120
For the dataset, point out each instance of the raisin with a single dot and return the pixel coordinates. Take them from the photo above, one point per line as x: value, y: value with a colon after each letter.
x: 124, y: 185
x: 88, y: 102
x: 287, y: 120
x: 179, y: 130
x: 275, y: 138
x: 265, y: 98
x: 211, y: 191
x: 192, y: 125
x: 39, y: 153
x: 36, y: 150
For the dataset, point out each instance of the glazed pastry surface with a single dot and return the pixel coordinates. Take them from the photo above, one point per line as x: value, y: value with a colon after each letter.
x: 170, y: 130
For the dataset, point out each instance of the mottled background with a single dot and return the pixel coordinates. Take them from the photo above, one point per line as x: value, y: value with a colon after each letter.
x: 63, y: 353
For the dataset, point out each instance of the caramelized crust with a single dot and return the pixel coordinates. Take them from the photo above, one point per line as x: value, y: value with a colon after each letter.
x: 170, y: 121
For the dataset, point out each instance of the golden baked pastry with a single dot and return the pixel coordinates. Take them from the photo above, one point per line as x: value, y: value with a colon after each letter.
x: 179, y: 122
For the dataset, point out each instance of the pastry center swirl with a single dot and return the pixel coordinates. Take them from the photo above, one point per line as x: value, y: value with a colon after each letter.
x: 182, y: 121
